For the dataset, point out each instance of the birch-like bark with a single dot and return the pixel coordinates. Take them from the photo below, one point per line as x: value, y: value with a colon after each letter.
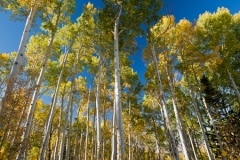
x: 168, y: 125
x: 193, y: 146
x: 70, y: 98
x: 80, y: 146
x: 98, y: 106
x: 114, y: 143
x: 233, y: 84
x: 178, y: 120
x: 53, y: 106
x: 209, y: 113
x: 87, y: 127
x: 69, y: 132
x: 32, y: 106
x: 20, y: 54
x: 59, y: 126
x: 104, y: 118
x: 71, y: 95
x: 197, y: 111
x: 129, y: 131
x: 156, y: 136
x: 117, y: 92
x: 93, y: 134
x: 75, y: 147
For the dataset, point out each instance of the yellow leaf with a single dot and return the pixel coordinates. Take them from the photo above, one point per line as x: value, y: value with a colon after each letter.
x: 224, y: 153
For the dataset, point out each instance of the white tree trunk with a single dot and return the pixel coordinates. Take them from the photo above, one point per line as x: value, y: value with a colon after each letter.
x: 168, y: 125
x: 156, y: 136
x: 32, y: 106
x: 234, y: 85
x: 70, y: 98
x: 193, y: 146
x: 129, y: 132
x: 53, y: 106
x: 80, y: 146
x: 208, y: 113
x: 87, y: 127
x: 114, y: 143
x: 59, y: 126
x: 197, y: 111
x: 104, y: 118
x: 75, y: 147
x: 117, y: 92
x: 71, y: 95
x: 69, y: 132
x: 93, y: 134
x: 178, y: 120
x: 98, y: 106
x: 20, y: 54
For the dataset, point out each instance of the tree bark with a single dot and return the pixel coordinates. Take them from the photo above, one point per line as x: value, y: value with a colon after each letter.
x: 168, y: 125
x: 234, y: 85
x: 197, y: 111
x: 209, y: 113
x: 117, y: 92
x: 104, y: 118
x: 114, y: 143
x: 32, y: 106
x: 59, y: 126
x: 178, y: 120
x: 193, y: 146
x: 129, y: 132
x: 66, y: 121
x: 98, y: 106
x: 53, y: 106
x: 69, y: 132
x: 93, y: 134
x: 87, y: 128
x: 20, y: 54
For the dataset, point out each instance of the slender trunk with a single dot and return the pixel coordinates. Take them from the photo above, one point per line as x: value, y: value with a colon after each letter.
x: 234, y: 85
x: 20, y: 54
x: 87, y: 128
x: 117, y: 92
x: 168, y: 125
x: 32, y: 106
x: 69, y: 132
x: 98, y: 106
x: 75, y: 147
x: 49, y: 145
x: 129, y: 132
x: 59, y: 126
x: 104, y: 119
x: 165, y: 126
x: 93, y: 134
x: 80, y: 146
x: 70, y: 98
x: 156, y: 135
x: 53, y: 106
x: 178, y: 120
x: 197, y: 111
x: 114, y: 152
x: 71, y: 95
x: 193, y: 146
x: 209, y: 114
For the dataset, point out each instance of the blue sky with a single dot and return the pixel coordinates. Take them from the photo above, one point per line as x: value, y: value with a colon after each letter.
x: 10, y: 31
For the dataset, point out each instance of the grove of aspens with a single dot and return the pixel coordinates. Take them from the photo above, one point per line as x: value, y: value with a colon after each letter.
x: 70, y: 92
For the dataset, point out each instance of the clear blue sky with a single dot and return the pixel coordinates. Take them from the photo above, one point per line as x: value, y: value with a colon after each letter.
x: 10, y: 31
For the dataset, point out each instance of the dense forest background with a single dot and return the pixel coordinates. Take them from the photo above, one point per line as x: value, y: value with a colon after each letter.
x: 71, y: 92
